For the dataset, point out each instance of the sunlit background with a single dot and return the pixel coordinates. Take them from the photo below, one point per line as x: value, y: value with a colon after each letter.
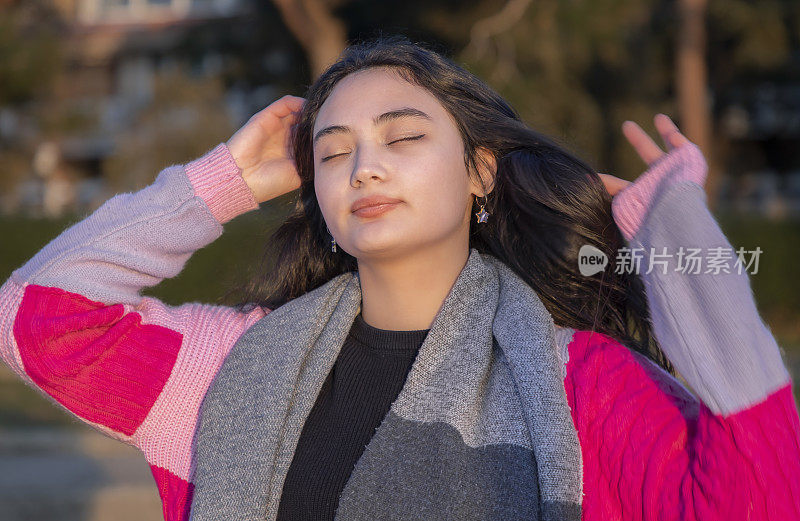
x: 97, y: 96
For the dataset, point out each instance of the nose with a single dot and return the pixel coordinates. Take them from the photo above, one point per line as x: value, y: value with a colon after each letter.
x: 367, y: 166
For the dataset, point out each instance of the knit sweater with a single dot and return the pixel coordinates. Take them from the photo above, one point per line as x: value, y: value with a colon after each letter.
x: 366, y: 378
x: 74, y: 326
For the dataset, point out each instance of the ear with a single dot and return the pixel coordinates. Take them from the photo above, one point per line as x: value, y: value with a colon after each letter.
x: 487, y: 169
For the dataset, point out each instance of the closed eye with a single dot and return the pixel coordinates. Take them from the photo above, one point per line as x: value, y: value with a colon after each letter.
x: 411, y: 138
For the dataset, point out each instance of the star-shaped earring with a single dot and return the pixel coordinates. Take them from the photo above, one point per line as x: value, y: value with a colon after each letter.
x: 482, y: 215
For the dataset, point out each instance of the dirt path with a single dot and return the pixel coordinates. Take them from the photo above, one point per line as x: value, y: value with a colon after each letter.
x: 73, y: 475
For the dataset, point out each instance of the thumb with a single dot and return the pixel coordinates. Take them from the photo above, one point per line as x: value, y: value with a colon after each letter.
x: 613, y: 184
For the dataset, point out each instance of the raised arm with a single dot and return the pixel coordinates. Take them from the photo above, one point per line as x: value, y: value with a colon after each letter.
x: 73, y: 322
x: 652, y: 449
x: 74, y: 326
x: 704, y: 316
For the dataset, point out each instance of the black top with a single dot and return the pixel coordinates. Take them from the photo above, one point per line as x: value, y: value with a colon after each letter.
x: 363, y: 383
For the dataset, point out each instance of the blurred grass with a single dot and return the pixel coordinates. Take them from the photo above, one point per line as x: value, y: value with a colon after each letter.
x: 213, y: 270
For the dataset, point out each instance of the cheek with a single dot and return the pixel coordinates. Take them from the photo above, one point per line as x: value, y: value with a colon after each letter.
x: 325, y: 197
x: 333, y: 197
x: 442, y: 188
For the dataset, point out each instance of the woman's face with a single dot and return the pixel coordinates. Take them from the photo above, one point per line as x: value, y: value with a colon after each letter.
x: 360, y: 158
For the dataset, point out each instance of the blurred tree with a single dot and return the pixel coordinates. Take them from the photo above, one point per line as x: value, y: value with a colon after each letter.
x: 322, y: 35
x: 30, y: 59
x: 749, y: 38
x: 30, y: 55
x: 691, y: 79
x: 574, y: 70
x: 185, y: 119
x: 577, y: 70
x: 752, y: 45
x: 258, y: 52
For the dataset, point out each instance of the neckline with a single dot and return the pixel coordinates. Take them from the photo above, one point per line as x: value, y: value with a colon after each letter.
x: 387, y: 339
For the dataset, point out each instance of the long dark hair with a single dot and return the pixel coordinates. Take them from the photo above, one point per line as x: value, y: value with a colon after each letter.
x: 546, y: 203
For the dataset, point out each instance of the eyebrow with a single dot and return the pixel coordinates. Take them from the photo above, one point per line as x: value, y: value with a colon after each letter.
x: 405, y: 112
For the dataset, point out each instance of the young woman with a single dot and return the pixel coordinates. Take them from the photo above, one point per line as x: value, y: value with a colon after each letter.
x: 424, y: 344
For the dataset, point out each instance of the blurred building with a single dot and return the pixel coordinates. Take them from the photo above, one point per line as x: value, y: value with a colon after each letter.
x: 95, y: 12
x: 113, y: 52
x: 762, y: 124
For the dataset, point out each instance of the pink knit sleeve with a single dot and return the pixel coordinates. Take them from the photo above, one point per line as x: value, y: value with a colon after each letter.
x: 652, y: 451
x: 74, y: 325
x: 632, y: 205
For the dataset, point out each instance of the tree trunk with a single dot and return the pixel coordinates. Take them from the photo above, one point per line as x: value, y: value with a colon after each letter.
x: 694, y: 104
x: 319, y: 32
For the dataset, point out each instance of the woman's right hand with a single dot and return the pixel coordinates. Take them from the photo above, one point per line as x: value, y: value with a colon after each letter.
x: 261, y: 149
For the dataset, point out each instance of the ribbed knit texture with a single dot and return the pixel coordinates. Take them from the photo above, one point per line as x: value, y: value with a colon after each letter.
x: 227, y: 195
x: 366, y: 378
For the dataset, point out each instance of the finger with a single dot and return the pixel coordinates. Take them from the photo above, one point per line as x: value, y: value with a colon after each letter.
x: 296, y: 107
x: 669, y: 131
x: 286, y: 105
x: 613, y: 184
x: 647, y: 149
x: 296, y: 103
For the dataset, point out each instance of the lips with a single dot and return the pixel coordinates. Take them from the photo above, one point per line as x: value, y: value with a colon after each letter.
x: 372, y: 200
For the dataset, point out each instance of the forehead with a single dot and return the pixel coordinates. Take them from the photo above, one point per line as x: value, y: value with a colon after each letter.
x: 365, y: 94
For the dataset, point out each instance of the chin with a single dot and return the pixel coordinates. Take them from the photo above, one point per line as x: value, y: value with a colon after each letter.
x: 377, y: 248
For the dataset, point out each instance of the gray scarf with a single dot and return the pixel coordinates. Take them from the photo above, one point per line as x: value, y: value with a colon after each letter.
x: 480, y: 430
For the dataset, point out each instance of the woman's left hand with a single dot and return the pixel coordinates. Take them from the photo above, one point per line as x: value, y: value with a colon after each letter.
x: 647, y: 149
